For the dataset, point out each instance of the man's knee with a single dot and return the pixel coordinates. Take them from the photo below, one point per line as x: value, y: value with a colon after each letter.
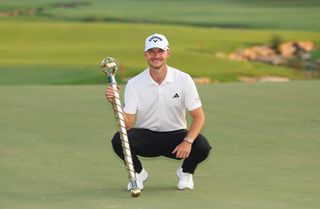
x: 202, y: 146
x: 116, y: 142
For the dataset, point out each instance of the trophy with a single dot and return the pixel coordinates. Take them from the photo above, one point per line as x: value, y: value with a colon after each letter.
x: 109, y: 66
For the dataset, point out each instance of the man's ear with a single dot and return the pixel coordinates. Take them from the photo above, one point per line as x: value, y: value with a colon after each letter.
x: 169, y: 53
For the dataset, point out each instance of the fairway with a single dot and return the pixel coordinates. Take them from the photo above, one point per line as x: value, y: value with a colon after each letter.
x: 55, y: 151
x: 49, y: 42
x: 249, y: 14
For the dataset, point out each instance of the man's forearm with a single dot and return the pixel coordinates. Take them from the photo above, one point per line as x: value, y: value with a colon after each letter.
x: 197, y: 123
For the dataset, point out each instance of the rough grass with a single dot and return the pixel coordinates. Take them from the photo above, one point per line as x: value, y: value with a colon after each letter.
x: 48, y: 52
x: 55, y: 150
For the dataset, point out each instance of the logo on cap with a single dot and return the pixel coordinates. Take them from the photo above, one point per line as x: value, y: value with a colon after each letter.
x: 155, y: 39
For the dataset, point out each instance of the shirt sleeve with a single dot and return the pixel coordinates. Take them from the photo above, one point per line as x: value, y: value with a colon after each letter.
x: 130, y: 104
x: 192, y: 98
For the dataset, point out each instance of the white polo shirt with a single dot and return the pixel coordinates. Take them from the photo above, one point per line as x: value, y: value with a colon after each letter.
x: 161, y: 107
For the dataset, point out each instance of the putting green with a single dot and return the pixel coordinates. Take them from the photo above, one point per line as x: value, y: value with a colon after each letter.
x: 55, y: 150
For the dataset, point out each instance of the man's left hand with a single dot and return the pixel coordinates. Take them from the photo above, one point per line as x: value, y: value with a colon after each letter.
x: 182, y: 150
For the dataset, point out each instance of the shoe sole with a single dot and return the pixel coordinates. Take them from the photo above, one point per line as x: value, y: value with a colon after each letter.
x: 186, y: 188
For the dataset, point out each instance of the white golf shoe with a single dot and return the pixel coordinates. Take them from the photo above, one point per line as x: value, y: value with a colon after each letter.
x: 185, y: 180
x: 141, y: 177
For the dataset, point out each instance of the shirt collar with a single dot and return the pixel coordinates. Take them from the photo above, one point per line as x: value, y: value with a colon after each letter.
x: 168, y: 79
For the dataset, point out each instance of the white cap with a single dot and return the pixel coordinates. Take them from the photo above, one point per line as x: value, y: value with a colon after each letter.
x: 156, y: 41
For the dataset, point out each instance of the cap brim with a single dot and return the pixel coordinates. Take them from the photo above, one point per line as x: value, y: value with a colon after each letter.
x: 158, y: 47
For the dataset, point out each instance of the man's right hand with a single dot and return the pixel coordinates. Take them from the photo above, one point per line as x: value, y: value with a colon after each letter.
x: 110, y: 93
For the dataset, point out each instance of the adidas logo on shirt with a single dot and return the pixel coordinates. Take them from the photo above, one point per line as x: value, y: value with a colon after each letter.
x: 176, y: 95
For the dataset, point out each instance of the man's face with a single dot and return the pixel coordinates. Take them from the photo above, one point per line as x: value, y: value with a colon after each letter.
x: 156, y: 57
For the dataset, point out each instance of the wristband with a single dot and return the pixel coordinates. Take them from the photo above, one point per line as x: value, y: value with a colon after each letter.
x: 190, y: 141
